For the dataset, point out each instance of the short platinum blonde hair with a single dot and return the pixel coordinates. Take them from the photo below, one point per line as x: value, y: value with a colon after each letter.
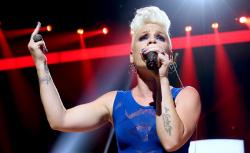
x: 150, y: 14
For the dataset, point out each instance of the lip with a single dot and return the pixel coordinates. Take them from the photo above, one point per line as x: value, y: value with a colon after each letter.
x: 147, y: 50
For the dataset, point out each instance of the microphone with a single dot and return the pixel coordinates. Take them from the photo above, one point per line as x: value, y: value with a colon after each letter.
x: 37, y: 37
x: 151, y: 60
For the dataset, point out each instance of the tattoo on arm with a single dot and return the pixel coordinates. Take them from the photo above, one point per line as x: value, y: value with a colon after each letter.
x: 46, y: 68
x: 47, y: 78
x: 166, y: 120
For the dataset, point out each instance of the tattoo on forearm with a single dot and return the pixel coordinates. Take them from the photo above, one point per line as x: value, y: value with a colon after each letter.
x: 166, y: 120
x: 46, y: 79
x: 46, y: 68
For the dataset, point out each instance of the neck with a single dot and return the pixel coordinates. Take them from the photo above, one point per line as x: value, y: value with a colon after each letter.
x: 146, y: 87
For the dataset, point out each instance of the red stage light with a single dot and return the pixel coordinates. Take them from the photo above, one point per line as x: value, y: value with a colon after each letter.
x: 188, y: 28
x: 215, y: 25
x: 243, y: 19
x: 105, y: 30
x: 49, y: 28
x: 111, y: 50
x: 80, y: 31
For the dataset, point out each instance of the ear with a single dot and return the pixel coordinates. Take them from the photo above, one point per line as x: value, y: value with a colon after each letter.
x: 131, y: 56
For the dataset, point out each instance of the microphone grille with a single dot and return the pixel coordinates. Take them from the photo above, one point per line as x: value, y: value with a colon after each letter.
x: 37, y: 37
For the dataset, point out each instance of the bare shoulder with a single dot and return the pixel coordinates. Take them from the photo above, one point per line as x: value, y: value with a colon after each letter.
x: 109, y: 95
x: 108, y: 100
x: 188, y: 101
x: 188, y: 93
x: 190, y: 90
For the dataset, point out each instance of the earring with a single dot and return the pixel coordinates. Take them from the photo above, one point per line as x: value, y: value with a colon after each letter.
x: 172, y: 67
x: 132, y: 69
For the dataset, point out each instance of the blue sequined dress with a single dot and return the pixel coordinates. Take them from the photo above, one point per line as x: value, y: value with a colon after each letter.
x: 135, y: 125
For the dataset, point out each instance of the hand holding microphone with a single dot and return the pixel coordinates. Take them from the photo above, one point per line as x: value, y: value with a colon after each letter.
x: 37, y: 46
x: 151, y: 57
x: 158, y: 61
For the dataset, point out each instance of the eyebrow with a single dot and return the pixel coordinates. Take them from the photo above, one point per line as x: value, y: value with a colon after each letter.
x: 162, y: 33
x: 158, y: 32
x: 145, y: 32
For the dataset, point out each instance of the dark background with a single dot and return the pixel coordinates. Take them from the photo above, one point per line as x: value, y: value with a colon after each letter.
x: 23, y: 123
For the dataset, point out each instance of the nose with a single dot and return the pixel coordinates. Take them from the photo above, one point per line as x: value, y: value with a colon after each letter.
x: 151, y: 41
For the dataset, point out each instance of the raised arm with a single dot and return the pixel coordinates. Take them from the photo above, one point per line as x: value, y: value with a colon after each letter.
x: 83, y: 117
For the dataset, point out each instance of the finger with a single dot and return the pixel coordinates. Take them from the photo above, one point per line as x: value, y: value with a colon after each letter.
x: 164, y: 58
x: 38, y: 26
x: 171, y: 54
x: 44, y: 48
x: 164, y: 54
x: 41, y: 45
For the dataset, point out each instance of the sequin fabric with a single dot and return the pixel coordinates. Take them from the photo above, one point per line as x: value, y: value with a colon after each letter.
x: 135, y: 127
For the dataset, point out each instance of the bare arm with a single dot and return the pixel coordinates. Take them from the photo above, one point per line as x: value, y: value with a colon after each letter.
x: 83, y: 117
x: 175, y: 121
x: 176, y: 124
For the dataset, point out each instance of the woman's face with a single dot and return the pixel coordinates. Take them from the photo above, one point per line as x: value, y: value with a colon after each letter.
x: 151, y: 37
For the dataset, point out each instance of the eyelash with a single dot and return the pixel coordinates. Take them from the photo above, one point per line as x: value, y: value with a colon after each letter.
x: 143, y: 37
x: 159, y: 37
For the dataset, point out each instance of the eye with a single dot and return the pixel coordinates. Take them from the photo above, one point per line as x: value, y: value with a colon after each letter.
x: 160, y: 37
x: 143, y: 37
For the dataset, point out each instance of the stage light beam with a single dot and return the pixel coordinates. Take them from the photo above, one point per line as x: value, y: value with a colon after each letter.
x: 231, y: 112
x: 188, y: 73
x: 120, y: 49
